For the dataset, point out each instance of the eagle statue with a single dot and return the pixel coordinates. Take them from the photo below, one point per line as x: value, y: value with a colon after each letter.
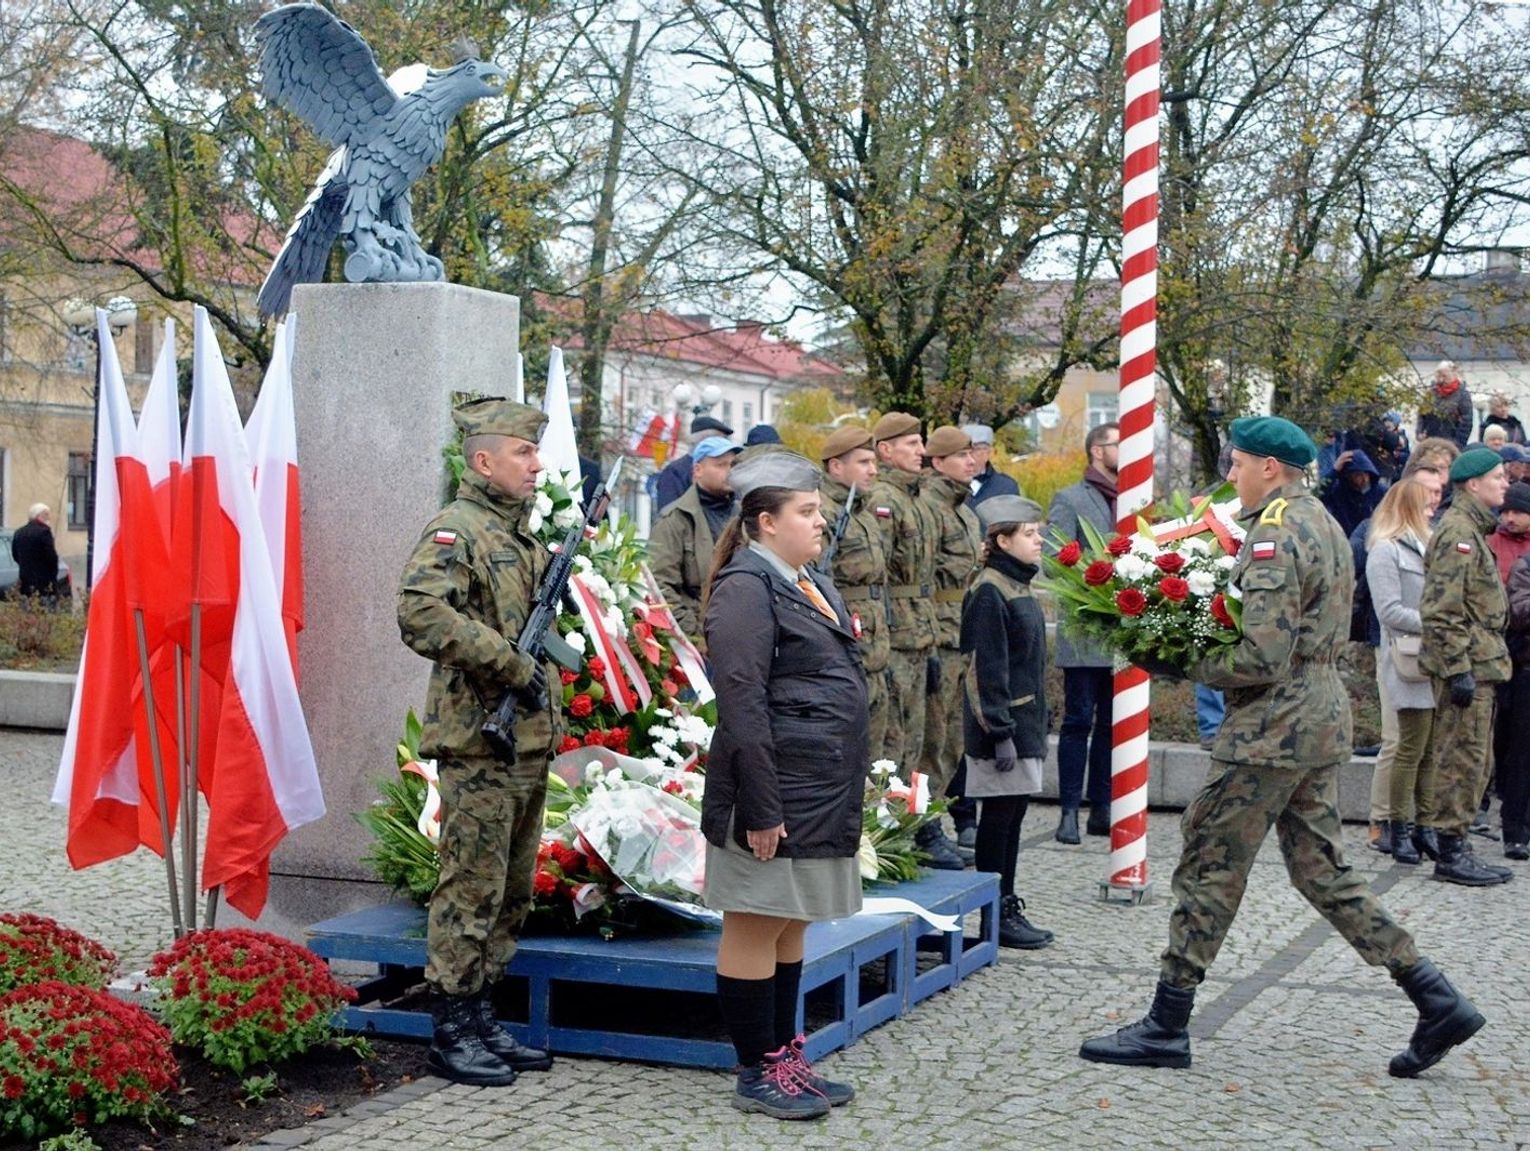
x: 317, y: 67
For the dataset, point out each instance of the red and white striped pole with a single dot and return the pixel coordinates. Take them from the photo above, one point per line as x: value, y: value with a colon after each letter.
x: 1139, y: 363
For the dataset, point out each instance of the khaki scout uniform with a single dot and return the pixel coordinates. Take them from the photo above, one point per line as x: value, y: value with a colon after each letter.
x: 1464, y: 611
x: 463, y: 599
x: 680, y: 550
x: 1277, y: 757
x: 911, y: 535
x: 957, y: 562
x: 860, y: 573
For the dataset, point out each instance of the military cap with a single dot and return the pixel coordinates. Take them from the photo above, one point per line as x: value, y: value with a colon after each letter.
x: 778, y: 469
x: 843, y: 440
x: 1474, y: 462
x: 1274, y: 437
x: 709, y: 424
x: 713, y: 446
x: 893, y: 425
x: 1517, y: 498
x: 998, y: 510
x: 978, y: 433
x: 497, y: 416
x: 762, y: 434
x: 947, y: 441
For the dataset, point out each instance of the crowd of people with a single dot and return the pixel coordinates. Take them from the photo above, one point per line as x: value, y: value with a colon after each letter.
x: 876, y: 604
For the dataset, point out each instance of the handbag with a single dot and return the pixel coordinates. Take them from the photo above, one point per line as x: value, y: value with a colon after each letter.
x: 1404, y: 650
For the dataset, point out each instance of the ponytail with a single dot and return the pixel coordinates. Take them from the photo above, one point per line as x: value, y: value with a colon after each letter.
x: 740, y: 530
x: 722, y: 556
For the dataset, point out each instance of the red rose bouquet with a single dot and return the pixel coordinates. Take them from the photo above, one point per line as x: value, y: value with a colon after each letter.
x: 1158, y: 596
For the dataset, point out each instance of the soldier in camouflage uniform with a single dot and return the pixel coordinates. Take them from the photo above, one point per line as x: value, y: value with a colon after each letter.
x: 910, y: 534
x: 958, y: 559
x: 1276, y: 761
x: 463, y: 598
x: 859, y: 566
x: 1464, y: 611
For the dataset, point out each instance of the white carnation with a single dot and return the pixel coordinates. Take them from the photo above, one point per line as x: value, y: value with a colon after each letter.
x: 576, y: 641
x: 582, y: 564
x: 1193, y: 547
x: 883, y: 767
x: 567, y: 518
x: 1132, y: 567
x: 534, y: 521
x: 1201, y: 583
x: 1143, y: 546
x: 1226, y: 562
x: 543, y: 503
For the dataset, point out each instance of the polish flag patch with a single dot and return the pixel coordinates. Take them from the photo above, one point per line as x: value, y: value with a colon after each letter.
x: 1264, y: 550
x: 884, y: 513
x: 855, y: 624
x: 445, y: 537
x: 1464, y: 548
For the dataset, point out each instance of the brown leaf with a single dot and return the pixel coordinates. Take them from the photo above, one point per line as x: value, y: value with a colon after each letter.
x: 1103, y: 1104
x: 1232, y: 1088
x: 316, y: 1111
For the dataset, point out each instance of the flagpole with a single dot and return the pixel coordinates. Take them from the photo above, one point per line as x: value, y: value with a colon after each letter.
x: 210, y: 917
x: 159, y: 772
x: 189, y: 800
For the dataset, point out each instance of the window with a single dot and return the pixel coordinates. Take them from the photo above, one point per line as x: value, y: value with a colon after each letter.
x: 77, y: 491
x: 748, y: 415
x: 143, y: 345
x: 1103, y: 408
x: 727, y: 416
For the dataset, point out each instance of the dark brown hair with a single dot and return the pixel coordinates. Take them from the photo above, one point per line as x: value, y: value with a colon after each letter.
x: 1098, y: 433
x: 742, y: 528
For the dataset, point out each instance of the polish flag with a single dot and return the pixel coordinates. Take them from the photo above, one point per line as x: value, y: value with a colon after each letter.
x: 272, y: 436
x: 98, y: 776
x: 650, y: 430
x: 260, y: 778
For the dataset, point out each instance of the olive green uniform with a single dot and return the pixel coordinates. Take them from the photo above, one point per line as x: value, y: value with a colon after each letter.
x: 957, y: 562
x: 463, y: 597
x: 680, y: 550
x: 1464, y: 610
x: 910, y: 534
x: 1276, y: 759
x: 859, y: 571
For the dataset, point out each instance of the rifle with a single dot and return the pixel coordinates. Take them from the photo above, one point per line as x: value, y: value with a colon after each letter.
x: 538, y: 639
x: 826, y: 557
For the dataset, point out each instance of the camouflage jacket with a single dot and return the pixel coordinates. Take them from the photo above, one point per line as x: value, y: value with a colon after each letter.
x: 1286, y: 706
x: 960, y: 554
x: 911, y: 534
x: 860, y: 569
x: 1464, y: 608
x: 680, y: 550
x: 462, y: 600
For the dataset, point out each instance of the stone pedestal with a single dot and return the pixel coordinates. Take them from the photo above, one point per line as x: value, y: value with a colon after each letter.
x: 374, y: 370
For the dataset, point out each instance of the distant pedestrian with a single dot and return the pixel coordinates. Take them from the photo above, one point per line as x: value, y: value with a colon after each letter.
x: 1500, y: 416
x: 1447, y: 409
x: 36, y: 556
x: 1354, y: 493
x: 762, y: 434
x: 988, y: 482
x: 670, y: 484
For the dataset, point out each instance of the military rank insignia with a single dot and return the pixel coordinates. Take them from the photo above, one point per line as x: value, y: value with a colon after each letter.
x: 884, y: 513
x: 1464, y: 548
x: 1264, y: 550
x: 445, y: 537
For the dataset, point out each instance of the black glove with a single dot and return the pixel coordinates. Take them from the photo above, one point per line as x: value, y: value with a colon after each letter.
x: 1004, y: 756
x: 1463, y: 689
x: 932, y: 674
x: 1160, y: 667
x: 529, y: 680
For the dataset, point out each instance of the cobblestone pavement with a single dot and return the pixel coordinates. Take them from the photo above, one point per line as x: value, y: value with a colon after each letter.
x: 1291, y: 1035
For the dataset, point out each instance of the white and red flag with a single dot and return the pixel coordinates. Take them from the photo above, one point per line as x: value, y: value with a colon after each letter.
x: 272, y: 437
x: 256, y: 766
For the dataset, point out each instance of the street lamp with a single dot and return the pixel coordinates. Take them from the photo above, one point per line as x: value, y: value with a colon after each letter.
x: 80, y: 316
x: 707, y: 400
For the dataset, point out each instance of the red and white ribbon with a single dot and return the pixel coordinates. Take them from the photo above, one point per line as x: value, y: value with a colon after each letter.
x: 618, y: 691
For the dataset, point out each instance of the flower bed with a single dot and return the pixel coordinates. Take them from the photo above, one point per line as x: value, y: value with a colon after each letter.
x: 34, y: 949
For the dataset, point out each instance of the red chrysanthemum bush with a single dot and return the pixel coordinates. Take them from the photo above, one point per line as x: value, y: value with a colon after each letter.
x: 76, y: 1056
x: 35, y: 949
x: 244, y: 997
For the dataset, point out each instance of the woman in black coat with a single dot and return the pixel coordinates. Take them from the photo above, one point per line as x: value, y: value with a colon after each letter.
x: 786, y: 773
x: 1004, y: 703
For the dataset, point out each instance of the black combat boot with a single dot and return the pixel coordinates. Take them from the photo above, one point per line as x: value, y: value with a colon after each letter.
x: 500, y: 1042
x: 1403, y: 849
x: 1098, y: 822
x: 1446, y: 1018
x: 456, y: 1051
x: 1160, y: 1039
x: 1457, y: 864
x: 1015, y: 930
x: 1427, y: 840
x: 931, y: 839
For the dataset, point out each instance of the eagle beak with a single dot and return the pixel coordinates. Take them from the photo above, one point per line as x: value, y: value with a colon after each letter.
x: 494, y: 77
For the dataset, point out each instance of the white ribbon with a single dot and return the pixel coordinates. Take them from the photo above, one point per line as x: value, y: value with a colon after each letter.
x: 891, y: 905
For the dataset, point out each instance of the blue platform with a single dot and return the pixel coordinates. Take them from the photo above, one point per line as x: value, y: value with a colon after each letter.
x: 861, y: 972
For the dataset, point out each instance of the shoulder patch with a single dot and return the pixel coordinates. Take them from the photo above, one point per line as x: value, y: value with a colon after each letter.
x: 445, y: 537
x: 1264, y: 550
x: 1274, y: 513
x: 1464, y: 548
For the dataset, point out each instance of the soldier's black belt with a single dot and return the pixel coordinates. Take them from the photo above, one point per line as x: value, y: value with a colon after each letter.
x: 853, y: 594
x: 950, y: 595
x: 910, y: 591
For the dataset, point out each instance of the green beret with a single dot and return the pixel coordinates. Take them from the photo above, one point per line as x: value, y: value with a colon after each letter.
x: 893, y: 425
x: 998, y: 510
x: 1474, y: 462
x: 495, y: 416
x: 1274, y: 437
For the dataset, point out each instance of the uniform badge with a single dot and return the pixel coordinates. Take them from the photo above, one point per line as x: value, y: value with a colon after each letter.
x: 1264, y: 550
x: 884, y: 513
x: 1464, y: 548
x: 446, y: 538
x: 855, y: 624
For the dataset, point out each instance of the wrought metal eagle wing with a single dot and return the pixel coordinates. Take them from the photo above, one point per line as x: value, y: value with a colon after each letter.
x: 319, y: 68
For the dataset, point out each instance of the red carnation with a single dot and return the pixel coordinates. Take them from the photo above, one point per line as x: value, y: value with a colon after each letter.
x: 674, y: 787
x: 1070, y: 553
x: 1174, y: 589
x: 594, y: 739
x: 1170, y: 563
x: 581, y: 706
x: 545, y: 884
x: 567, y: 677
x: 1220, y: 613
x: 1131, y: 602
x: 597, y: 666
x: 570, y: 743
x: 15, y: 1086
x: 617, y: 737
x: 567, y: 859
x: 1099, y: 572
x: 1119, y: 546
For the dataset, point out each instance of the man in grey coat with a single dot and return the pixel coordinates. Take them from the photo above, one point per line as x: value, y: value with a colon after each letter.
x: 1086, y: 668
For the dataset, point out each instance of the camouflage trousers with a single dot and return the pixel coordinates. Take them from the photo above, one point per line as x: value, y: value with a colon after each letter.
x: 943, y: 737
x: 491, y: 827
x: 877, y: 706
x: 1223, y: 828
x: 1463, y: 739
x: 906, y: 707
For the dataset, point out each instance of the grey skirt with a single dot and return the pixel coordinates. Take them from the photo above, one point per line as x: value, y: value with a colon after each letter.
x: 809, y: 889
x: 984, y: 782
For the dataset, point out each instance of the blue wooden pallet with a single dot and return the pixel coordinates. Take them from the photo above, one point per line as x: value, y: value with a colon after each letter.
x: 555, y: 972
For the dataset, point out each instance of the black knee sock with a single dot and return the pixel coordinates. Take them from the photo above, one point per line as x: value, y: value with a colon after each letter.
x: 788, y: 980
x: 749, y: 1010
x: 997, y: 827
